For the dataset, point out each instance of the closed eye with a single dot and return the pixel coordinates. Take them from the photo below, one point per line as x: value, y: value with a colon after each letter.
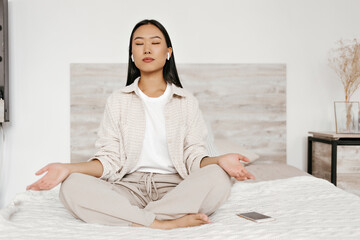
x: 143, y: 44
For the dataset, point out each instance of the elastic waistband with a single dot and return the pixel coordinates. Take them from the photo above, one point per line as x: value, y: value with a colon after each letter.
x: 158, y: 177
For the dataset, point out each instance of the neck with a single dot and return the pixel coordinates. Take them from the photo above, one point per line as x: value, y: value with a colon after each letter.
x: 153, y: 84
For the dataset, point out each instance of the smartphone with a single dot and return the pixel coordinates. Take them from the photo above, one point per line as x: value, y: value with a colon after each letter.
x: 256, y: 217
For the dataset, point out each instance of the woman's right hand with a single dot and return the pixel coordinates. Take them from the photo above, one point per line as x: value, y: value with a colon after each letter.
x: 56, y: 173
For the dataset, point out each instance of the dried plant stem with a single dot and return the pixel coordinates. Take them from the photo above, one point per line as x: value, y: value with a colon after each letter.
x: 348, y: 115
x: 345, y: 60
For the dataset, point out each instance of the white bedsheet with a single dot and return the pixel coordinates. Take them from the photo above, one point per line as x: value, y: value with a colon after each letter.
x: 305, y: 207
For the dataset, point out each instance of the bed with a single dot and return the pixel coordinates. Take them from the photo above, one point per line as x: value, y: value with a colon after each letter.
x: 250, y: 117
x: 304, y: 207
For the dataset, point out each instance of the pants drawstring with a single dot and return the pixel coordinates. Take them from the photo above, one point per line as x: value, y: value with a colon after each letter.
x: 149, y: 184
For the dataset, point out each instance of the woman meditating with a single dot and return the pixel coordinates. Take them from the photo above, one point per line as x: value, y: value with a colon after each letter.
x: 152, y: 167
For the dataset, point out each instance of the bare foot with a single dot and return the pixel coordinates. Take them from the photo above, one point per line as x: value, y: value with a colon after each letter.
x: 189, y: 220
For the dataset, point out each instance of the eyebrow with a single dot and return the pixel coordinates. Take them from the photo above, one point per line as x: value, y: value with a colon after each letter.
x: 143, y: 38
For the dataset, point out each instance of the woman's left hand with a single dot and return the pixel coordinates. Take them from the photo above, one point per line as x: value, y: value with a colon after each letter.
x: 231, y: 164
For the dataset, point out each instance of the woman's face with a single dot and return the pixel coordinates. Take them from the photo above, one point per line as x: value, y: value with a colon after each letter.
x: 149, y: 42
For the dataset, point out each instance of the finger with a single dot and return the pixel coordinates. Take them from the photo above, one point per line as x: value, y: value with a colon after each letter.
x: 240, y: 178
x: 42, y: 187
x: 242, y: 173
x: 246, y: 172
x: 44, y: 169
x: 243, y: 158
x: 34, y: 188
x: 31, y: 186
x: 239, y: 174
x: 37, y: 185
x: 46, y: 185
x: 250, y: 175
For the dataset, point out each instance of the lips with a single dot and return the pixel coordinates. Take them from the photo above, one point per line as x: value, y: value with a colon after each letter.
x: 148, y: 59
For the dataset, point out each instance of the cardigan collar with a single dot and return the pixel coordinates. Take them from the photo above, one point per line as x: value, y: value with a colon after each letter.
x: 174, y: 89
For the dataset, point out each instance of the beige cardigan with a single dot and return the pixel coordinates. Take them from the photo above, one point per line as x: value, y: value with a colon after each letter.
x: 122, y: 128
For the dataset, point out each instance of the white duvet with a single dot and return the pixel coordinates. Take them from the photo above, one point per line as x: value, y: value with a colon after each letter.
x: 305, y: 207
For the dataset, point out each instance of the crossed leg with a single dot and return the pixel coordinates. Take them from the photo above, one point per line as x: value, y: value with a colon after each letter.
x: 94, y: 200
x: 193, y: 199
x: 188, y: 204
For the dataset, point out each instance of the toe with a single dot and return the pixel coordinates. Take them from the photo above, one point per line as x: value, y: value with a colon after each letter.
x: 204, y: 217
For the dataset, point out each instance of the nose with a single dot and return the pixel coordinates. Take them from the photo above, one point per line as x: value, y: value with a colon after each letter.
x: 147, y: 48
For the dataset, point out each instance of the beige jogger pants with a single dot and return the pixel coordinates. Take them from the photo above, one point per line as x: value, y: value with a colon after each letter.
x: 141, y: 197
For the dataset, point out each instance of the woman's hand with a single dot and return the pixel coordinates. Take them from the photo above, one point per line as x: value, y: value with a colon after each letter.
x: 56, y: 173
x: 231, y: 164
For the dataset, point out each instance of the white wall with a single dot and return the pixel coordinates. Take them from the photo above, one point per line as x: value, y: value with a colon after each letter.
x: 46, y: 36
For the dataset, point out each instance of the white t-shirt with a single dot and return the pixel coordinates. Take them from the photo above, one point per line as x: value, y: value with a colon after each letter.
x: 154, y: 155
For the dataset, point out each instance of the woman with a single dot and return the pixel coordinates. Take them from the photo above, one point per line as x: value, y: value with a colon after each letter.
x: 152, y: 166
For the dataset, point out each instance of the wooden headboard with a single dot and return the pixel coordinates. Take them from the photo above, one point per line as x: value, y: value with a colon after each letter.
x: 245, y: 103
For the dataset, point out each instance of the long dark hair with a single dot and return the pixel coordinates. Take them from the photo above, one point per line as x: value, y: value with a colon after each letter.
x: 169, y: 71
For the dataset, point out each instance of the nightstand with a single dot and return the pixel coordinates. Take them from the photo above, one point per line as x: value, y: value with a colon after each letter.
x: 336, y: 158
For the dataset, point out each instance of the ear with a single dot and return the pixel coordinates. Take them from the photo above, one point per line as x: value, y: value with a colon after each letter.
x: 170, y: 51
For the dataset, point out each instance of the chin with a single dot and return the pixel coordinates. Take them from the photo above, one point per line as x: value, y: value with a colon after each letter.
x: 150, y: 69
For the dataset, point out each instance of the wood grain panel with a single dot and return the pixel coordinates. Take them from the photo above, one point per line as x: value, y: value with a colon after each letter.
x: 245, y: 103
x: 348, y: 165
x: 321, y: 164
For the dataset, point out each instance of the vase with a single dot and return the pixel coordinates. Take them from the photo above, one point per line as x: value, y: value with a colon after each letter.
x: 346, y: 117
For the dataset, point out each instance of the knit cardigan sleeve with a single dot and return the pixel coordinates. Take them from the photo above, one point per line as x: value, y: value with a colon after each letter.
x: 195, y: 138
x: 108, y: 142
